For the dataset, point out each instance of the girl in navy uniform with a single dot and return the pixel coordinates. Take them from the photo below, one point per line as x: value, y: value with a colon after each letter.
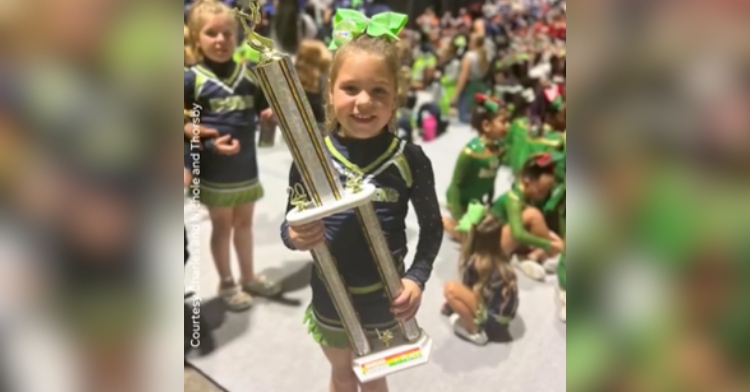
x: 362, y: 101
x: 222, y: 94
x: 487, y: 295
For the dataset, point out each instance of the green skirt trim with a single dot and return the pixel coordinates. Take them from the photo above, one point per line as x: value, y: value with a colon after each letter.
x: 336, y: 337
x: 230, y: 195
x: 481, y: 316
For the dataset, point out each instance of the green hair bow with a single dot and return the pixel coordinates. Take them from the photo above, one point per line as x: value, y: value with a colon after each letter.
x: 350, y: 24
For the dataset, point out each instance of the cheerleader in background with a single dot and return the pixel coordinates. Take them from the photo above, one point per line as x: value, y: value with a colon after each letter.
x: 487, y: 296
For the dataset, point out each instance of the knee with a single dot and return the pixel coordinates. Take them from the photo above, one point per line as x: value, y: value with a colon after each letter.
x: 450, y: 290
x: 243, y: 222
x: 532, y: 215
x: 221, y: 226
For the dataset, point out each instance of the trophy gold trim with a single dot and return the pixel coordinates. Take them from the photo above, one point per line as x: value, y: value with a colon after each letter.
x: 322, y: 195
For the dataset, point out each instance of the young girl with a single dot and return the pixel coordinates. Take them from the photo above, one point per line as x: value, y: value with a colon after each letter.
x: 362, y: 101
x: 474, y: 67
x: 525, y: 231
x: 221, y: 90
x: 313, y: 60
x: 487, y: 295
x: 477, y: 165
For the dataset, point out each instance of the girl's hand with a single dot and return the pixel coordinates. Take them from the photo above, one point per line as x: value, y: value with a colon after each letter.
x: 225, y: 145
x: 308, y: 236
x: 557, y: 246
x: 406, y: 304
x: 266, y: 115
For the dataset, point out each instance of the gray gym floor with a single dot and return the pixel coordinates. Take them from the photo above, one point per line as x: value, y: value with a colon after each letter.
x: 267, y: 349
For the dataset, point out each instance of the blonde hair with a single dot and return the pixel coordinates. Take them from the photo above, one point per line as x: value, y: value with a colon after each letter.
x: 364, y: 43
x: 189, y: 53
x: 196, y: 20
x: 477, y: 43
x: 313, y: 61
x: 482, y: 251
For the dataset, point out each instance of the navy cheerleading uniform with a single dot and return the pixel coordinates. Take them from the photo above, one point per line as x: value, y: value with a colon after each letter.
x: 402, y: 173
x: 226, y: 98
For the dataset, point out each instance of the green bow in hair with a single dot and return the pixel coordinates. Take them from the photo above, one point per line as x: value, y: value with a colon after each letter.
x: 557, y: 104
x: 350, y: 24
x: 487, y: 103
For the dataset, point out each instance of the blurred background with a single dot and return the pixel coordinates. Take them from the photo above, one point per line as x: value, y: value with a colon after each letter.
x: 660, y: 254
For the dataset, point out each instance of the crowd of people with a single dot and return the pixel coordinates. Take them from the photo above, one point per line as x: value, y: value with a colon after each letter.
x: 498, y: 67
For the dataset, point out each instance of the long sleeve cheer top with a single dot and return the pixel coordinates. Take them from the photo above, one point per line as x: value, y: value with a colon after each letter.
x: 402, y: 173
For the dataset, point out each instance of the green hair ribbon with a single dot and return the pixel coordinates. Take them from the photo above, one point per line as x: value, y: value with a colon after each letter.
x: 349, y: 24
x: 488, y: 103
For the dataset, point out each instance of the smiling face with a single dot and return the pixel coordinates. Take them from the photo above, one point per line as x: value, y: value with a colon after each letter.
x: 363, y: 94
x: 217, y: 37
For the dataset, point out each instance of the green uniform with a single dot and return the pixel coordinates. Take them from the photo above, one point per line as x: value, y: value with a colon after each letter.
x: 508, y: 208
x: 522, y: 144
x: 421, y: 63
x: 474, y: 175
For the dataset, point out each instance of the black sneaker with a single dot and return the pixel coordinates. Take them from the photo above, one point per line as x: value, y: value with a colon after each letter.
x: 446, y: 310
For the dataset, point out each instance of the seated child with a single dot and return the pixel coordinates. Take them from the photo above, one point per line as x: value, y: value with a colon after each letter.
x: 487, y: 295
x: 525, y: 231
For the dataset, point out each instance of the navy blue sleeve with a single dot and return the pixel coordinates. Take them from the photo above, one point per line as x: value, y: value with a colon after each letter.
x: 424, y: 199
x: 294, y: 178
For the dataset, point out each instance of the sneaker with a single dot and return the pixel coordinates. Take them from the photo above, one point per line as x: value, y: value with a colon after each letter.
x: 480, y: 338
x: 262, y: 287
x: 530, y: 268
x: 564, y: 308
x: 551, y: 264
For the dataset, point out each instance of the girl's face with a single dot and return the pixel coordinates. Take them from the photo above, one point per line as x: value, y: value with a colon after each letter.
x: 497, y: 128
x: 363, y: 95
x: 539, y: 189
x: 217, y: 38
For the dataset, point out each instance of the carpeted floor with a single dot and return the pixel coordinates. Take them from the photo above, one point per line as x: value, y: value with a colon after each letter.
x: 268, y: 350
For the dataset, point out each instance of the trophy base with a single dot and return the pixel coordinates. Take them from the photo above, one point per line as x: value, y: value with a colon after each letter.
x: 349, y: 201
x: 393, y: 360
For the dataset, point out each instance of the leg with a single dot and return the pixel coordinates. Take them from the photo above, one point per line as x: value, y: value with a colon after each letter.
x: 343, y: 378
x: 242, y: 223
x: 221, y: 234
x: 243, y: 245
x: 379, y: 385
x: 533, y: 222
x: 463, y: 302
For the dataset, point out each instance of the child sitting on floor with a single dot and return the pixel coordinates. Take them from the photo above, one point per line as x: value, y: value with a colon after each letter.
x: 487, y: 295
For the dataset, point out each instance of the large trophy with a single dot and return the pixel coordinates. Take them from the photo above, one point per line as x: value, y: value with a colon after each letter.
x: 324, y: 195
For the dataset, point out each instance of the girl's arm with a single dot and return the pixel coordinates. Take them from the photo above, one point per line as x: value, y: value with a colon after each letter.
x: 425, y: 202
x: 294, y: 179
x: 454, y: 189
x: 463, y: 77
x: 514, y: 208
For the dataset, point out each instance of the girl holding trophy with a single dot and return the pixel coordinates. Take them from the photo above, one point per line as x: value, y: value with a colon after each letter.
x: 362, y: 95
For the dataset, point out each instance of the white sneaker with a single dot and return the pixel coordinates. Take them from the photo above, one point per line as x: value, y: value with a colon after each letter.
x: 530, y: 268
x: 551, y: 264
x: 564, y: 308
x: 480, y: 338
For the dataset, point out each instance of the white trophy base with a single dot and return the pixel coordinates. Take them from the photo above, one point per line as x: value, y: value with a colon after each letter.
x: 383, y: 363
x: 349, y: 201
